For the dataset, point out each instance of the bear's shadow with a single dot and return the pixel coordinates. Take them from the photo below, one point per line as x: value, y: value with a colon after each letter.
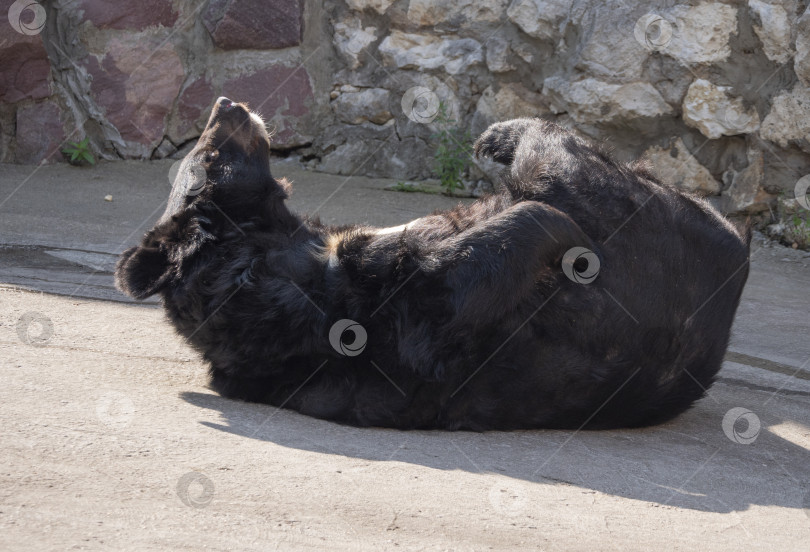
x: 686, y: 463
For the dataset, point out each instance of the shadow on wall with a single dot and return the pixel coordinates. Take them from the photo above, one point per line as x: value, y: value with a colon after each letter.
x: 701, y: 461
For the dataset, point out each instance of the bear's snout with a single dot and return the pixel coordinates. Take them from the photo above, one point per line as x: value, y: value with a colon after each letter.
x: 224, y: 103
x: 233, y: 125
x: 227, y: 111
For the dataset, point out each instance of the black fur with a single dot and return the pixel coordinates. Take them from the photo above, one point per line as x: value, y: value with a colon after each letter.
x: 471, y: 321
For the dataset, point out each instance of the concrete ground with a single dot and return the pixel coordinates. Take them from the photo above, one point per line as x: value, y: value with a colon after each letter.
x: 111, y: 440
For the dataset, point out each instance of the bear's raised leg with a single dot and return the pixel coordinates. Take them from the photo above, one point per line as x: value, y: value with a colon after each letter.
x: 497, y: 264
x: 500, y: 140
x: 543, y: 156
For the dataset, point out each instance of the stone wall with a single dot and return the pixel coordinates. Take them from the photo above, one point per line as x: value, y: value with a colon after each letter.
x: 715, y: 94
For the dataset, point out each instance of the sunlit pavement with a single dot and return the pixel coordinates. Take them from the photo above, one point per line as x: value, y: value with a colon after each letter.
x: 112, y: 440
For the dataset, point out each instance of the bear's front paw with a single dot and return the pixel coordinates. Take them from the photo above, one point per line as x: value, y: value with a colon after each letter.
x: 500, y: 140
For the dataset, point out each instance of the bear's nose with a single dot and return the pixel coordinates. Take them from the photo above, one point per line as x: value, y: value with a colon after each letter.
x: 224, y: 102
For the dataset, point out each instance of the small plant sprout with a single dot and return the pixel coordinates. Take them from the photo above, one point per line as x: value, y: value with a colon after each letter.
x: 79, y: 152
x: 453, y: 151
x: 792, y: 222
x: 798, y: 229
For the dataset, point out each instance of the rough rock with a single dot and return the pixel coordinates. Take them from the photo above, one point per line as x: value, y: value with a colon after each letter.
x: 24, y: 67
x: 380, y: 6
x: 498, y: 55
x: 608, y: 47
x: 192, y: 106
x: 592, y: 101
x: 788, y: 121
x: 345, y: 158
x: 701, y: 33
x: 745, y: 194
x: 282, y: 95
x: 523, y: 51
x: 254, y: 24
x: 375, y: 149
x: 39, y: 133
x: 539, y: 18
x: 772, y: 26
x: 165, y: 149
x: 360, y: 106
x: 670, y: 78
x: 398, y: 157
x: 511, y: 101
x: 136, y: 83
x: 454, y: 12
x: 801, y: 62
x: 711, y: 110
x: 418, y: 51
x: 114, y: 14
x: 676, y: 166
x: 351, y: 38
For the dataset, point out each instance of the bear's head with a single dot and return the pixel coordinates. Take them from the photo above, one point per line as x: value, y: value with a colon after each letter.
x: 226, y: 176
x: 229, y: 166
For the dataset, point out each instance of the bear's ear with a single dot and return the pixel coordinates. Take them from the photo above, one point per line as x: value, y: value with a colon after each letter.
x: 142, y: 271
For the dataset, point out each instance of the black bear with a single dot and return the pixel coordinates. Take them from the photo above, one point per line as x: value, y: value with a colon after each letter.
x: 584, y: 293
